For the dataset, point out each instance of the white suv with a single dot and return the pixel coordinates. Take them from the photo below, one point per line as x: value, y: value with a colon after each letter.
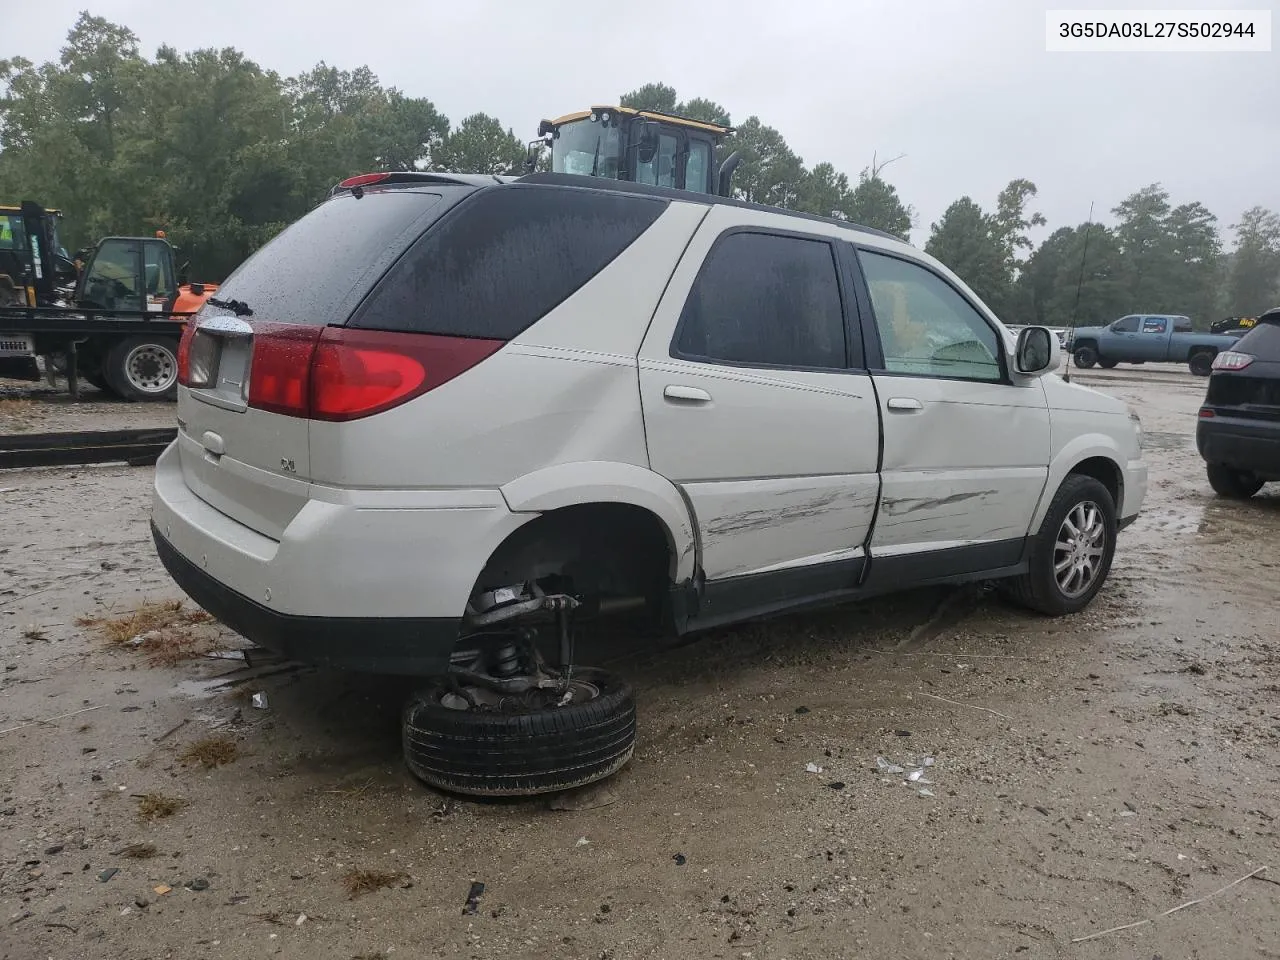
x: 435, y: 398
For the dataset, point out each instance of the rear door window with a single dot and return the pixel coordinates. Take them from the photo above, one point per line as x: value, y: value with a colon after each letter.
x: 1263, y: 341
x: 504, y: 259
x: 322, y: 265
x: 765, y: 300
x: 1154, y: 324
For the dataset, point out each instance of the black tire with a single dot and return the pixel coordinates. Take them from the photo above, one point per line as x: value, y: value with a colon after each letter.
x: 1038, y: 589
x: 492, y: 754
x: 1235, y: 484
x: 1201, y: 364
x: 142, y: 368
x: 1085, y: 357
x: 1108, y: 364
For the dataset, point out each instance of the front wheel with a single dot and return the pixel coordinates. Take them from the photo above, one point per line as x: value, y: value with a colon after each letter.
x: 1071, y: 555
x: 1201, y: 364
x: 467, y: 740
x: 1229, y: 482
x: 142, y: 368
x: 1085, y: 357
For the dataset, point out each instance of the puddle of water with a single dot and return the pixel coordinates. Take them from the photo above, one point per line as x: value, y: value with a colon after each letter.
x: 196, y: 689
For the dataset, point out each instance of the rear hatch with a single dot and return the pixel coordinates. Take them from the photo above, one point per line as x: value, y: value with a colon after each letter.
x: 1246, y: 379
x: 243, y: 434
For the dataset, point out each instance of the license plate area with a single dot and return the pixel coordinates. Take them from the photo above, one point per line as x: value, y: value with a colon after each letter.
x: 221, y: 354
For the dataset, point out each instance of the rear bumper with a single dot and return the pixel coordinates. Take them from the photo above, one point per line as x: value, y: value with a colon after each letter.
x: 1244, y: 444
x: 415, y: 646
x: 373, y: 580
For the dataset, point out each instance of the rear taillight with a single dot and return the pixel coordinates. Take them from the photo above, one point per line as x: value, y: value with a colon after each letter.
x: 1206, y: 413
x: 337, y: 373
x: 1231, y: 360
x: 184, y: 353
x: 280, y: 369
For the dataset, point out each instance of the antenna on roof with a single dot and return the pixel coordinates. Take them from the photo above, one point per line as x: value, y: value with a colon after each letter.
x: 1075, y: 309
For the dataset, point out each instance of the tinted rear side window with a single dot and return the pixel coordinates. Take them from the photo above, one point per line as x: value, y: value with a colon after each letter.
x: 1263, y: 341
x: 504, y: 259
x: 765, y: 300
x: 322, y: 265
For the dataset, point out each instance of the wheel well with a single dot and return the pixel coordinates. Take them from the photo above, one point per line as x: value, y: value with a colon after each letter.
x: 1107, y: 473
x: 1196, y: 351
x: 604, y: 549
x: 1092, y: 344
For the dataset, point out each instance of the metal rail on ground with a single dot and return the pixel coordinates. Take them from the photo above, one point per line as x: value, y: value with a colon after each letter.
x: 134, y: 447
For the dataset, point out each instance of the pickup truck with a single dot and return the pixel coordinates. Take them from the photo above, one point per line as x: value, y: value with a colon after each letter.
x: 1148, y: 338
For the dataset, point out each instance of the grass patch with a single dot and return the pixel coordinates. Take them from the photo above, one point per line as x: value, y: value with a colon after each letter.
x: 139, y: 851
x: 210, y: 752
x: 359, y: 882
x: 162, y: 631
x: 17, y: 412
x: 156, y: 806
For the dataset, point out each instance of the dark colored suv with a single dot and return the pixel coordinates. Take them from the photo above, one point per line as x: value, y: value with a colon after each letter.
x: 1239, y: 428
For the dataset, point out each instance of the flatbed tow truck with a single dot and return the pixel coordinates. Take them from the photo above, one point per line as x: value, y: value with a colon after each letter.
x: 115, y: 322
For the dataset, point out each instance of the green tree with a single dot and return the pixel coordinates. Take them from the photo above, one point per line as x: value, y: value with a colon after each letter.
x: 823, y: 191
x: 1011, y: 222
x: 1142, y: 235
x: 965, y: 239
x: 1066, y: 282
x: 1195, y: 250
x: 770, y: 172
x: 875, y: 203
x: 480, y: 145
x: 1255, y: 264
x: 657, y: 97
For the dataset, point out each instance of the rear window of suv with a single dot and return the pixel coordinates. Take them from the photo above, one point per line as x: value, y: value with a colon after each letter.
x: 1263, y: 341
x: 321, y: 266
x: 504, y: 258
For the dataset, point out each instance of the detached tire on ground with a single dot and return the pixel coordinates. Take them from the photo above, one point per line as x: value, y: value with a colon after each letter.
x: 511, y: 754
x: 1229, y: 482
x: 142, y: 368
x: 1085, y: 357
x: 1072, y: 553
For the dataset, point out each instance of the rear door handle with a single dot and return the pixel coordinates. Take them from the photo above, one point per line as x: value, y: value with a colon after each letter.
x: 686, y: 394
x: 904, y: 404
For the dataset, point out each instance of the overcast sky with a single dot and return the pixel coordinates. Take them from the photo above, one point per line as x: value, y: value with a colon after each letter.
x: 963, y: 88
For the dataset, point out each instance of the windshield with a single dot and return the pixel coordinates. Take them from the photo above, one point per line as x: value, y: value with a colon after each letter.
x: 587, y: 149
x: 12, y: 236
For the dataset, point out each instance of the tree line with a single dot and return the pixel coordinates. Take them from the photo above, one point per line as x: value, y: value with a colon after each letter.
x: 222, y: 154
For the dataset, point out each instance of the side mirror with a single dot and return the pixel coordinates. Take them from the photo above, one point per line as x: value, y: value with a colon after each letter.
x: 545, y: 127
x: 1036, y: 352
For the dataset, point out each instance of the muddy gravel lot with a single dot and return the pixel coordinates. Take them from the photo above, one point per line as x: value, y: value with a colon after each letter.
x: 1087, y: 773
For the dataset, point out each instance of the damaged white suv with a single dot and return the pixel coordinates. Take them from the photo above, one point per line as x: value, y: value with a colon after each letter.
x: 438, y: 412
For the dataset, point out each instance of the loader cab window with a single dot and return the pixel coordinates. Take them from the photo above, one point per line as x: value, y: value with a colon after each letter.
x: 660, y: 170
x: 12, y: 236
x: 157, y: 267
x: 111, y: 279
x: 697, y: 165
x: 587, y: 149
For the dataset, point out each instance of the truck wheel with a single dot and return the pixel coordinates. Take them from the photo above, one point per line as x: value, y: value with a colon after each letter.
x: 1201, y: 363
x: 1107, y: 364
x: 1071, y: 555
x: 1085, y: 357
x: 142, y: 368
x: 1236, y: 484
x: 519, y: 748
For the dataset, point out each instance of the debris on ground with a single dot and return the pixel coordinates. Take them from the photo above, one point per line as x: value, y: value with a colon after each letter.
x: 680, y: 859
x: 885, y: 767
x: 161, y: 889
x: 836, y: 784
x: 124, y: 629
x: 107, y: 874
x: 197, y: 884
x: 359, y: 882
x: 210, y: 752
x: 473, y: 898
x: 137, y: 851
x: 259, y: 701
x: 156, y: 806
x: 585, y: 798
x: 812, y: 768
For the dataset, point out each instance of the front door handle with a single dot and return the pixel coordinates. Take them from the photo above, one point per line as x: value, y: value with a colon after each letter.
x: 904, y: 404
x: 686, y: 394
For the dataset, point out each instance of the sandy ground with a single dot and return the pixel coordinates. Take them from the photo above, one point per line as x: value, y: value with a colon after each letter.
x: 1089, y: 772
